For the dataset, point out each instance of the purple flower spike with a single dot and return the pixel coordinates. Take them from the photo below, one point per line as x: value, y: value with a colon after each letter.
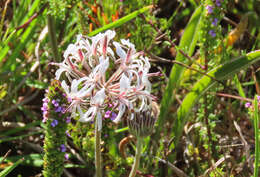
x: 209, y: 9
x: 215, y: 22
x: 54, y: 123
x: 212, y: 33
x: 248, y: 105
x: 63, y: 148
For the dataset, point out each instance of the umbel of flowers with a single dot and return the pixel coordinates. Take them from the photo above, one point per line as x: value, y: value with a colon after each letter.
x: 104, y: 78
x: 56, y: 118
x: 103, y: 74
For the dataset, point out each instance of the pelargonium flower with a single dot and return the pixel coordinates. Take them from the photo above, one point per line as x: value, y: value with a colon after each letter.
x: 104, y: 75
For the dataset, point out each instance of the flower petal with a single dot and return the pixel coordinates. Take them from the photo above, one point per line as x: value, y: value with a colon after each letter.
x: 120, y: 113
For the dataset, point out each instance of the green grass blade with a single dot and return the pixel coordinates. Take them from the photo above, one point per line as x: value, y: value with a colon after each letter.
x: 4, y: 48
x: 220, y: 73
x: 7, y: 170
x: 256, y: 124
x: 121, y: 21
x: 35, y: 160
x: 239, y: 87
x: 187, y: 43
x: 27, y: 35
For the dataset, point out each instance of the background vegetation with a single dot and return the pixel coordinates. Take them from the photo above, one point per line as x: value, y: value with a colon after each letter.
x: 210, y: 69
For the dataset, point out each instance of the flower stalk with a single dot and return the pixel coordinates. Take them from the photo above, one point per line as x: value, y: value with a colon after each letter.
x: 139, y: 145
x: 98, y: 163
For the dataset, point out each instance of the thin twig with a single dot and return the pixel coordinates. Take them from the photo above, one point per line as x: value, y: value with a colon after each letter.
x: 34, y: 16
x: 216, y: 164
x: 247, y: 147
x: 172, y: 43
x: 184, y: 65
x: 178, y: 171
x: 5, y: 156
x: 234, y: 96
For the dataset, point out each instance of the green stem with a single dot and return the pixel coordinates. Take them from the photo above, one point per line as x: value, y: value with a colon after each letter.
x: 98, y: 151
x: 53, y: 40
x: 138, y: 151
x: 256, y: 124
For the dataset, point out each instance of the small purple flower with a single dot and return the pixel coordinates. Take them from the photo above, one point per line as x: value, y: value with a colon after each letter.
x: 258, y: 98
x: 68, y: 134
x: 209, y: 9
x: 54, y: 123
x: 66, y: 156
x: 215, y: 22
x: 45, y: 100
x: 45, y: 118
x: 113, y: 116
x: 63, y: 110
x: 58, y: 109
x: 68, y: 119
x: 218, y: 3
x: 107, y: 114
x: 248, y: 105
x: 212, y: 33
x: 69, y: 99
x: 55, y: 103
x: 63, y: 148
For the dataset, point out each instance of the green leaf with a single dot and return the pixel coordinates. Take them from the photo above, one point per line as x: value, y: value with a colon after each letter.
x: 187, y: 44
x: 120, y: 21
x: 7, y: 170
x: 36, y: 84
x: 220, y: 73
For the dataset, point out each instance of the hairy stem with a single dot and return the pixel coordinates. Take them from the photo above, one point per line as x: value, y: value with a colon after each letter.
x: 137, y: 157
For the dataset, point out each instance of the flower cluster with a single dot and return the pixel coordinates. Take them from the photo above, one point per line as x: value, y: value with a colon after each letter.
x: 105, y: 79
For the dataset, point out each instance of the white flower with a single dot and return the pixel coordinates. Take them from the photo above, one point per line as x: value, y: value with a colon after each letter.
x: 98, y: 78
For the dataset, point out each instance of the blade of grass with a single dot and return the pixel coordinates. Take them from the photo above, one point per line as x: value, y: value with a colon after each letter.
x: 121, y: 21
x: 256, y: 126
x: 220, y: 73
x: 7, y: 170
x: 4, y: 47
x: 27, y: 35
x: 187, y: 43
x: 239, y: 87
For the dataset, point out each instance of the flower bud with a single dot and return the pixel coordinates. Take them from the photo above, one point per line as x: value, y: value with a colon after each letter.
x: 142, y: 123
